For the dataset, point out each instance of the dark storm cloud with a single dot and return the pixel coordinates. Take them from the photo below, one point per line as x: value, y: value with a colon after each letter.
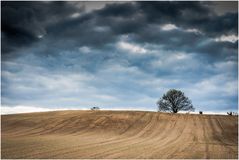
x: 222, y: 7
x: 167, y: 11
x: 118, y: 10
x: 190, y: 15
x: 23, y: 22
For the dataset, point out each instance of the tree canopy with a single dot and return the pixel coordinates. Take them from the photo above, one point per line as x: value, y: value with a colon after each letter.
x: 174, y: 101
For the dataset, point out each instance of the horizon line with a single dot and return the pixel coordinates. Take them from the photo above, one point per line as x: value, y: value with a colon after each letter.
x: 6, y: 110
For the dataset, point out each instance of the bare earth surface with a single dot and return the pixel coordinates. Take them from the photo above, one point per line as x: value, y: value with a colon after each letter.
x: 118, y: 134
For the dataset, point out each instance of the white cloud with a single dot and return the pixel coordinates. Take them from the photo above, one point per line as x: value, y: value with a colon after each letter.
x: 21, y: 109
x: 40, y: 36
x: 225, y: 66
x: 84, y: 49
x: 120, y: 69
x: 168, y: 27
x: 89, y: 6
x: 227, y: 38
x: 175, y: 61
x: 75, y: 15
x: 181, y: 56
x: 193, y: 30
x: 104, y: 97
x: 131, y: 48
x: 49, y: 83
x: 30, y: 109
x: 212, y: 91
x: 101, y: 28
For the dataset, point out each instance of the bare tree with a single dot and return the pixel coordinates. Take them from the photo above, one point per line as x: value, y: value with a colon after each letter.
x: 174, y: 101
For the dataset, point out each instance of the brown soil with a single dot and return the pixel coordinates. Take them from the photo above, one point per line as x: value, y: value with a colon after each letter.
x: 118, y: 134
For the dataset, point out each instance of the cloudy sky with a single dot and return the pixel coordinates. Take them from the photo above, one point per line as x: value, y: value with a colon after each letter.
x: 117, y: 55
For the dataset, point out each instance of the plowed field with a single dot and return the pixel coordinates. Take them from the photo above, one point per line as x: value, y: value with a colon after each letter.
x: 118, y: 134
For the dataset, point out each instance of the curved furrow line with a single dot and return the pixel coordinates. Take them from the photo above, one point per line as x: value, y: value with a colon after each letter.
x: 36, y: 134
x: 162, y: 132
x: 160, y: 127
x: 49, y: 124
x: 117, y: 141
x: 92, y: 127
x: 146, y: 142
x: 44, y: 150
x: 94, y: 144
x: 217, y: 129
x: 66, y: 124
x: 48, y: 148
x: 12, y: 129
x: 225, y: 137
x: 121, y: 136
x: 132, y: 124
x: 139, y: 140
x: 32, y: 147
x: 56, y: 127
x: 184, y: 140
x: 197, y: 137
x: 169, y: 143
x: 206, y: 137
x: 42, y: 126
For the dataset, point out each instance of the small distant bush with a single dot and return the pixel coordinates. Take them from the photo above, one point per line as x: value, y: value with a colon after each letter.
x: 235, y: 113
x: 95, y: 108
x: 232, y: 113
x: 200, y: 112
